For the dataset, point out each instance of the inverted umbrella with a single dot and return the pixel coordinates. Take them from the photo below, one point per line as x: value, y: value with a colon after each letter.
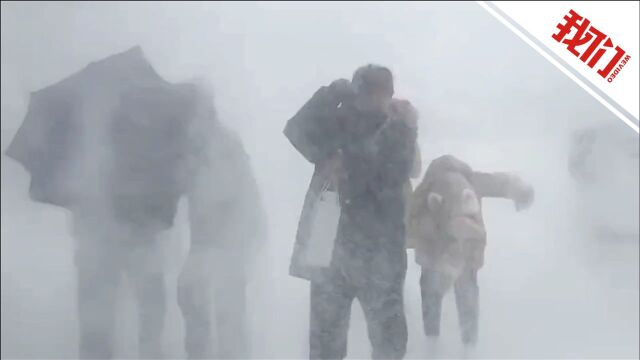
x: 142, y: 122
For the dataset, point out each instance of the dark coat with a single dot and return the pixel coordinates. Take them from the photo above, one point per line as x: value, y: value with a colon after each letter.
x: 368, y: 160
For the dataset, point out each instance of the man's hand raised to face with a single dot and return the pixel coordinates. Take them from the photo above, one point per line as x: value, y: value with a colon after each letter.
x: 342, y: 90
x: 402, y: 110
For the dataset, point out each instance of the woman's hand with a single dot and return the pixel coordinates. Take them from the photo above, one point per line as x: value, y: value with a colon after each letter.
x: 402, y: 110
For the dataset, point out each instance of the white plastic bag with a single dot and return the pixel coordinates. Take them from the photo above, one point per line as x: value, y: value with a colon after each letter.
x: 323, y: 230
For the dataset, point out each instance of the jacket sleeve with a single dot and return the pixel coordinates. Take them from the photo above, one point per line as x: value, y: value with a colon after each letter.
x: 416, y: 169
x: 492, y: 184
x: 504, y: 185
x: 314, y: 129
x: 418, y: 210
x: 396, y: 153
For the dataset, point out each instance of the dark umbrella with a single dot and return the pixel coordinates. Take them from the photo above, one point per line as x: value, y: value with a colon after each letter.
x: 146, y: 134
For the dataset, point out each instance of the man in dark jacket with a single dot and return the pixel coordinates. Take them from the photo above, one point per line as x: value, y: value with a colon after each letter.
x: 349, y: 124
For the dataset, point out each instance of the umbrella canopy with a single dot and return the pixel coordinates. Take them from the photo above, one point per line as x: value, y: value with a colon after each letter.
x: 116, y: 131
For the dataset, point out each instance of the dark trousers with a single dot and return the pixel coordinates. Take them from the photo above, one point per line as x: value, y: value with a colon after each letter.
x: 213, y: 284
x: 103, y: 255
x: 379, y: 289
x: 433, y: 286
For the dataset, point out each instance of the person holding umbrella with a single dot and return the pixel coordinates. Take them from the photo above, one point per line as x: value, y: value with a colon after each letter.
x: 108, y: 144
